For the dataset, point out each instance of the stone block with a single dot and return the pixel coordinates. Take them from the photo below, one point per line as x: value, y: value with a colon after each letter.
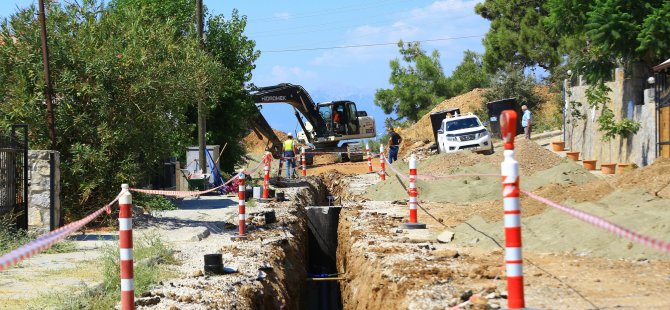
x: 34, y: 217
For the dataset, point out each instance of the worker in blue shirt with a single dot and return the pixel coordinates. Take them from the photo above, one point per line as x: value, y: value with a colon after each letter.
x: 526, y: 121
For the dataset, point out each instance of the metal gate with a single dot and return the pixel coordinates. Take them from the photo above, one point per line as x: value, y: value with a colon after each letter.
x: 14, y: 176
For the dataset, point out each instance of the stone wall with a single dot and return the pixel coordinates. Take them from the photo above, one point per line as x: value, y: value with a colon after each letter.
x: 585, y: 138
x: 44, y: 190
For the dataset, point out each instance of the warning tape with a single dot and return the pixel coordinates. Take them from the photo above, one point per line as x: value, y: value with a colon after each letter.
x: 181, y: 194
x: 620, y: 231
x: 47, y: 240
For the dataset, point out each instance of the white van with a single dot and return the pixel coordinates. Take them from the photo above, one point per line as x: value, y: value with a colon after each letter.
x: 464, y: 132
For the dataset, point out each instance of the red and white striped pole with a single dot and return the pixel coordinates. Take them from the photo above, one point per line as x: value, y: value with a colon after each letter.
x: 382, y: 173
x: 126, y: 249
x: 413, y: 197
x: 266, y: 175
x: 302, y: 160
x: 509, y: 170
x: 367, y: 149
x: 242, y: 234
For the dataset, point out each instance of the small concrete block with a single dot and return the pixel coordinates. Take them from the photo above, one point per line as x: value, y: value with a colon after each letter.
x: 445, y: 236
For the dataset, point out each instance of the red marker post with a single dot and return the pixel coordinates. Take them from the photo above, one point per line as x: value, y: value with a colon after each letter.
x: 126, y: 249
x: 382, y: 173
x: 413, y: 198
x: 302, y: 160
x: 242, y: 223
x: 367, y: 149
x: 267, y: 159
x: 509, y: 170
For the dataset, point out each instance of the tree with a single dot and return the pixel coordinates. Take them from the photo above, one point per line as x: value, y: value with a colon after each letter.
x: 417, y: 86
x: 122, y: 89
x: 468, y: 75
x: 601, y: 34
x: 518, y: 35
x: 228, y: 118
x: 512, y: 83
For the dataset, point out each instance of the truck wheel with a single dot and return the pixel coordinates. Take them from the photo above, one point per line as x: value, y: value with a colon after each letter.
x: 342, y: 157
x: 489, y: 151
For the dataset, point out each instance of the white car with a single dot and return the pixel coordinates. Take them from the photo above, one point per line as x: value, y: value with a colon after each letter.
x: 464, y: 132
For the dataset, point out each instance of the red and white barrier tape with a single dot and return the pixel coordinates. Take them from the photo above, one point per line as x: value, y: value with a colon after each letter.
x: 49, y: 239
x: 620, y: 231
x: 180, y: 194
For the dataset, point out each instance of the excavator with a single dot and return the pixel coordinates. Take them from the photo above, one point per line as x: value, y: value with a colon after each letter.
x: 326, y: 126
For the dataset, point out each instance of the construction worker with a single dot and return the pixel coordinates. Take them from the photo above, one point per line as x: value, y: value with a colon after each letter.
x: 394, y: 145
x: 290, y: 152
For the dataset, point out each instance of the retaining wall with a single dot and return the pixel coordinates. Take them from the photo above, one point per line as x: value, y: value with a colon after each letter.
x: 585, y: 138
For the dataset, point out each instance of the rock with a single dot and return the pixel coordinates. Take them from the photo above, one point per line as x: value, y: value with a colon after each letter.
x: 466, y: 295
x: 491, y: 296
x: 173, y: 307
x: 494, y: 306
x: 261, y: 275
x: 445, y: 236
x: 186, y: 298
x: 197, y: 273
x: 503, y: 294
x: 147, y: 301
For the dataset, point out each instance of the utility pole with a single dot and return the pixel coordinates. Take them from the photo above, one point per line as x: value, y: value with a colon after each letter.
x: 48, y: 90
x: 201, y: 109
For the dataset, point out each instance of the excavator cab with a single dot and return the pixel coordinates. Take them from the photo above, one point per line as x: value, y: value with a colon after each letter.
x: 341, y: 117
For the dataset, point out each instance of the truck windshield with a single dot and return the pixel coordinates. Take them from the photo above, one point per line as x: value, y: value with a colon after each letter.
x: 464, y: 123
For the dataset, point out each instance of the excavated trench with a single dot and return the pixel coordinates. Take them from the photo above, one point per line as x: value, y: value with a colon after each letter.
x: 321, y: 289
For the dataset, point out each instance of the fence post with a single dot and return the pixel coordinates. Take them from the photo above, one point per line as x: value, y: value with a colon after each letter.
x: 126, y: 249
x: 382, y: 173
x: 266, y: 175
x: 509, y: 170
x: 367, y: 150
x: 413, y: 197
x: 302, y: 160
x: 242, y: 223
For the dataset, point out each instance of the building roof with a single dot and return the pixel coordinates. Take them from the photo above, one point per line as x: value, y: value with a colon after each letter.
x: 664, y: 65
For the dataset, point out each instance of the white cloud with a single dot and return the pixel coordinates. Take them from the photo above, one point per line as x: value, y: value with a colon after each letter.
x: 284, y: 74
x: 440, y: 19
x: 282, y: 15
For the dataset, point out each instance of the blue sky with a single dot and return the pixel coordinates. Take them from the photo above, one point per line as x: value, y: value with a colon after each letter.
x: 347, y: 73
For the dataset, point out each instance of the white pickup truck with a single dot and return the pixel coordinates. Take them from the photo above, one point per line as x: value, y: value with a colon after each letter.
x: 464, y: 132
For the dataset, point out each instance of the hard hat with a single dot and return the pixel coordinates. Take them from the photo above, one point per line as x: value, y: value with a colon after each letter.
x: 290, y: 134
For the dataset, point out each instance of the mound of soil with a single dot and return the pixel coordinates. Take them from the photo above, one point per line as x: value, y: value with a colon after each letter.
x: 654, y: 178
x: 422, y: 130
x: 255, y: 145
x: 532, y: 157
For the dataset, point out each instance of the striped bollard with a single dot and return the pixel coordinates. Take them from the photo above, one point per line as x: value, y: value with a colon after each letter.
x: 126, y: 249
x: 413, y: 200
x: 367, y: 149
x: 242, y: 234
x: 281, y: 162
x: 266, y: 176
x: 509, y: 170
x: 382, y: 173
x: 302, y: 161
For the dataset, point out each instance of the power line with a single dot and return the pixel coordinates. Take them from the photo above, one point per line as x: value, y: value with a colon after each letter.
x: 367, y: 45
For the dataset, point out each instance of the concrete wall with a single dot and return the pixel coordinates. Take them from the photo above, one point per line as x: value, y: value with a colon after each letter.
x: 639, y: 148
x: 44, y: 190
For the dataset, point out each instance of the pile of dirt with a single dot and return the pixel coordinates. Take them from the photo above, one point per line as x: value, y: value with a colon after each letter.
x: 532, y: 157
x: 256, y: 145
x: 654, y: 178
x: 422, y: 130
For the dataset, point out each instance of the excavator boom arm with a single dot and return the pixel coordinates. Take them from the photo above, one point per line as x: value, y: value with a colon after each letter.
x: 296, y: 96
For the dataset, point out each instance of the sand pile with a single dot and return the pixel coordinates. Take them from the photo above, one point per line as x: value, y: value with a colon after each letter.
x: 654, y: 178
x: 531, y: 157
x: 256, y: 145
